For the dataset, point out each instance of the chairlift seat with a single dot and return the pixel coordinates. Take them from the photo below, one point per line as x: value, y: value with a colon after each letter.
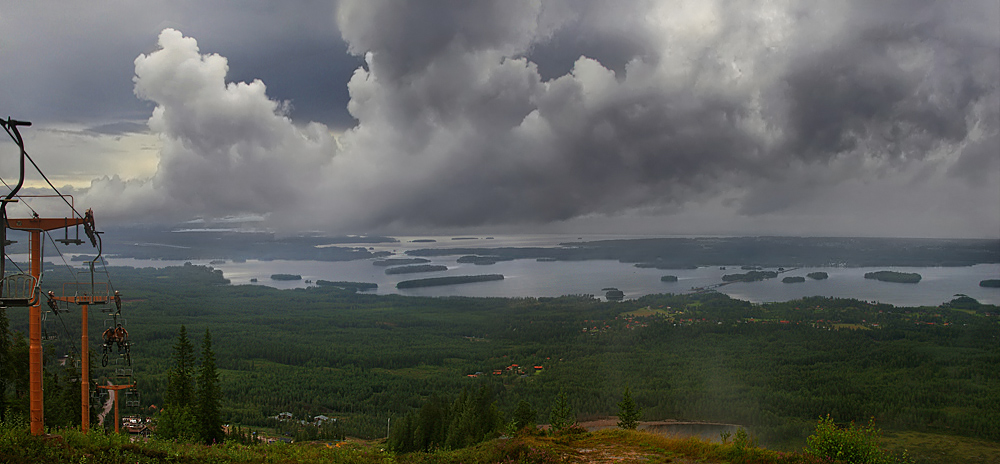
x: 18, y: 290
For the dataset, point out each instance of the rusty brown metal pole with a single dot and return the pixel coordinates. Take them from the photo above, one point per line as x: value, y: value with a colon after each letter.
x: 37, y: 409
x: 35, y: 226
x: 85, y: 371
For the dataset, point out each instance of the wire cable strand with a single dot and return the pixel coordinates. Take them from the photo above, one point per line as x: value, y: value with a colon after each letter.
x: 54, y: 189
x: 23, y: 201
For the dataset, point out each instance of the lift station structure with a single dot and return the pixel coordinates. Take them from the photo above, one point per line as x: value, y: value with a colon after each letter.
x: 21, y: 289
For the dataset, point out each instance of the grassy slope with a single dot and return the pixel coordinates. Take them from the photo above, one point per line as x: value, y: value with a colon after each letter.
x: 18, y: 447
x: 931, y: 448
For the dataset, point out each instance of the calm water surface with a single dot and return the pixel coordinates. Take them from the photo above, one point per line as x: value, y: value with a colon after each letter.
x: 527, y: 277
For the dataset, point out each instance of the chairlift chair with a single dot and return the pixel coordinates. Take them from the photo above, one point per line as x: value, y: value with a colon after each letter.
x: 18, y: 290
x: 132, y: 398
x: 70, y: 241
x: 46, y: 335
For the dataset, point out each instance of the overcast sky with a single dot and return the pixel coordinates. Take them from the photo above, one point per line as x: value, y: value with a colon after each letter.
x: 866, y: 118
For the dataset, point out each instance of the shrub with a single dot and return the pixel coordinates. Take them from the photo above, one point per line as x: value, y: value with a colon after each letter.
x: 852, y: 444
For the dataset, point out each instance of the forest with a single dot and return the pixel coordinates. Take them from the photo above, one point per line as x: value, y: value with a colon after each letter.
x: 685, y: 253
x: 367, y: 359
x: 659, y: 253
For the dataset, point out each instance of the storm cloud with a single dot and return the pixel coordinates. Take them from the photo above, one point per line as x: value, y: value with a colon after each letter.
x: 524, y: 112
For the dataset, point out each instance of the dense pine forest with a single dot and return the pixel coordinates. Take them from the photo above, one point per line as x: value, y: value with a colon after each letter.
x: 366, y: 360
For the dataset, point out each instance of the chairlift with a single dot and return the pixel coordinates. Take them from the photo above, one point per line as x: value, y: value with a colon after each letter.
x: 132, y: 398
x: 115, y: 337
x: 53, y: 302
x: 46, y: 335
x: 123, y: 372
x: 18, y: 290
x: 70, y: 241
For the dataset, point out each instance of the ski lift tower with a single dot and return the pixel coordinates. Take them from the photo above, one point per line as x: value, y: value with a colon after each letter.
x: 20, y: 290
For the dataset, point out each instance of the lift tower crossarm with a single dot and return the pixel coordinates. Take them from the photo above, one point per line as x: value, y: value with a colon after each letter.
x: 47, y: 224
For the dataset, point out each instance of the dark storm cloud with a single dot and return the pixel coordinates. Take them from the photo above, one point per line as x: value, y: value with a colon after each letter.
x: 697, y: 112
x: 858, y: 93
x: 512, y: 112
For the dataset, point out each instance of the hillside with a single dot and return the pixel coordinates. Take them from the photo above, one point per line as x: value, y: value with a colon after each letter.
x: 608, y: 446
x: 367, y: 359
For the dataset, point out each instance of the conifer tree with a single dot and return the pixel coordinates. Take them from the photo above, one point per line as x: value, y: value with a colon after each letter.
x: 4, y: 363
x: 180, y: 381
x: 628, y: 412
x: 177, y: 420
x: 6, y: 372
x: 524, y: 415
x: 208, y: 409
x: 561, y: 415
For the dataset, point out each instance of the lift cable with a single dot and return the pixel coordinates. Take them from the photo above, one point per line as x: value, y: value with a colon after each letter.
x: 72, y: 271
x: 68, y: 203
x: 54, y: 189
x: 7, y: 257
x: 23, y: 202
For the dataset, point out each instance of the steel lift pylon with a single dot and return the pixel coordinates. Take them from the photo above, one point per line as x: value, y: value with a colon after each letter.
x: 20, y: 290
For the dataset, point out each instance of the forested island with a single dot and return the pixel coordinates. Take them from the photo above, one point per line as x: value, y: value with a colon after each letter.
x: 990, y: 283
x: 613, y: 294
x: 820, y: 275
x: 449, y: 280
x: 893, y: 276
x: 665, y: 265
x: 681, y: 253
x: 352, y: 286
x: 286, y: 277
x: 479, y: 260
x: 416, y: 269
x: 668, y: 278
x: 752, y: 276
x: 685, y: 253
x: 399, y: 261
x: 793, y: 280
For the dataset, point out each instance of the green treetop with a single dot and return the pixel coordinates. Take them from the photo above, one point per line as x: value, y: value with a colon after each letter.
x: 207, y: 411
x: 628, y: 412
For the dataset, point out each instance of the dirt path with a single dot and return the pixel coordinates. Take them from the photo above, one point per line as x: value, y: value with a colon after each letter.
x: 108, y: 405
x: 613, y: 454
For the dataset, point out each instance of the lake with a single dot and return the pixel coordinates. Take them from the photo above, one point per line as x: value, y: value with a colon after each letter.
x: 527, y: 277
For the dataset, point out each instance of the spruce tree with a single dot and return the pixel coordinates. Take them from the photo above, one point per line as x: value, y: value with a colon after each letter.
x: 208, y: 409
x: 6, y: 373
x: 628, y: 412
x: 177, y: 420
x: 180, y: 381
x: 561, y: 415
x: 524, y: 416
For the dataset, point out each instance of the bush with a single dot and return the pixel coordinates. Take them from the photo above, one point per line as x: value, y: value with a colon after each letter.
x: 852, y: 444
